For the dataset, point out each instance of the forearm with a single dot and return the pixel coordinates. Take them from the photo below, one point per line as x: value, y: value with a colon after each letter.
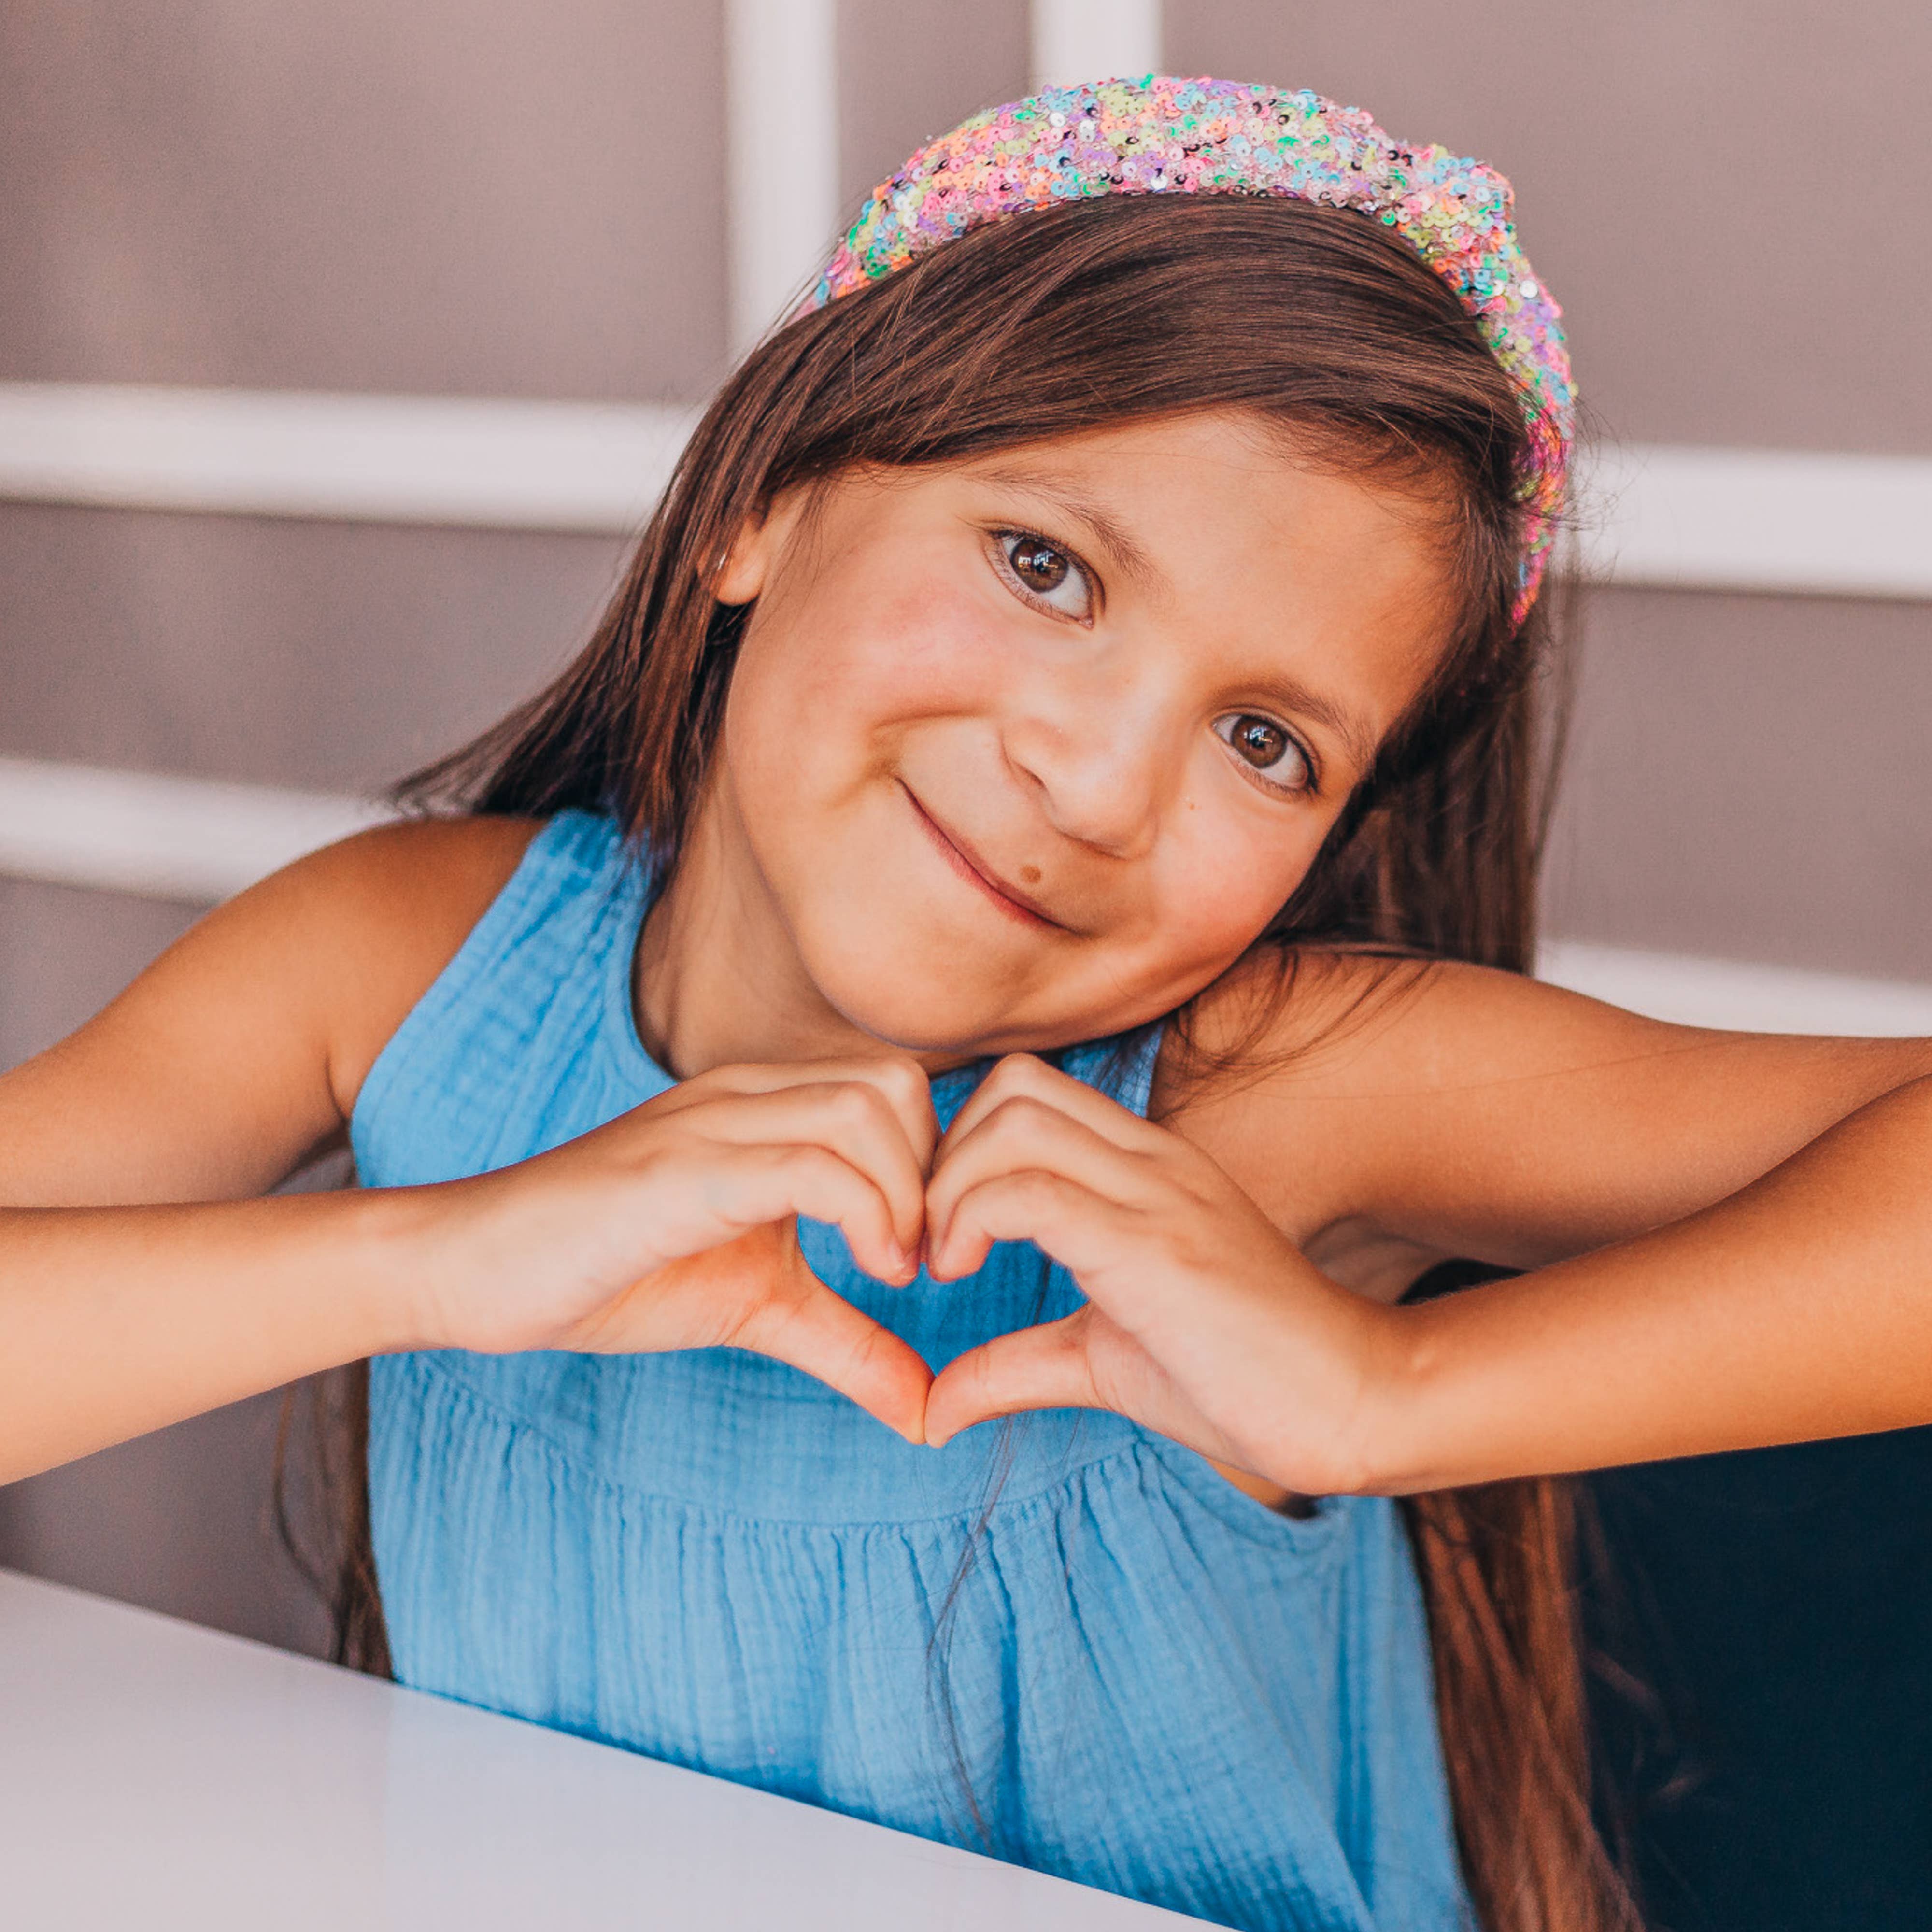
x: 1801, y: 1307
x: 114, y: 1321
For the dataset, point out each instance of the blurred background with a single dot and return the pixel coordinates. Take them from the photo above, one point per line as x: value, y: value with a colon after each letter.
x: 247, y: 249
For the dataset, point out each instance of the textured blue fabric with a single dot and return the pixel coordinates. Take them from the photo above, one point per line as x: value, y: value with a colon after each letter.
x: 1064, y: 1640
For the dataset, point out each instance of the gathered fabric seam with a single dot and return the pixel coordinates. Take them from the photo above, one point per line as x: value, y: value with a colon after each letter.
x: 1139, y: 1449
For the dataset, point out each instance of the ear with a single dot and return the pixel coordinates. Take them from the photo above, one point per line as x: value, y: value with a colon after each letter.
x: 753, y: 551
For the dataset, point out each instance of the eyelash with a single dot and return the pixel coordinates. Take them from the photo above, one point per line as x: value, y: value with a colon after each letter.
x: 1310, y: 786
x: 1012, y: 533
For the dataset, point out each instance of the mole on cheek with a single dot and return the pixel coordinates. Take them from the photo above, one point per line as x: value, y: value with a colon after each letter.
x: 1029, y: 875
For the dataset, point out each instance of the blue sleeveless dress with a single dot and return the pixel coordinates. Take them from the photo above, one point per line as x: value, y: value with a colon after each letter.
x: 1064, y: 1640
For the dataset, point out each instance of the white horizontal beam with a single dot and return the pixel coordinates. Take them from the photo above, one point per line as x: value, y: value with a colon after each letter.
x: 192, y: 840
x: 1769, y: 520
x: 1737, y: 994
x: 503, y: 463
x: 199, y: 842
x: 1793, y: 521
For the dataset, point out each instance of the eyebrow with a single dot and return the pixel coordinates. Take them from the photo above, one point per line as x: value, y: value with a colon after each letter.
x: 1128, y: 553
x: 1357, y: 740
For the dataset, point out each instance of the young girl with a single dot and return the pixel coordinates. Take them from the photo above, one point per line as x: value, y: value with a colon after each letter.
x: 968, y: 910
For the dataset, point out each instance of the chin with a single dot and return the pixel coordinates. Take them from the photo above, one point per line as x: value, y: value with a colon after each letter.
x: 899, y: 992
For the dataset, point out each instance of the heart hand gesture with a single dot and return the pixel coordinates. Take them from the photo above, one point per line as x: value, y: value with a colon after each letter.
x: 1203, y: 1321
x: 675, y: 1227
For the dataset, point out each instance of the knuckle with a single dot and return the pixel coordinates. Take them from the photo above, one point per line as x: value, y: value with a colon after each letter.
x: 1019, y: 1113
x: 802, y: 1162
x: 854, y: 1104
x: 904, y: 1079
x: 1036, y: 1189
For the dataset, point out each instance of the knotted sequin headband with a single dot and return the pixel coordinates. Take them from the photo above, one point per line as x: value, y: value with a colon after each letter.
x: 1161, y: 135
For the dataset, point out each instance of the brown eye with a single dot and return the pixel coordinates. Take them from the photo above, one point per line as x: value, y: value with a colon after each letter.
x: 1044, y: 573
x: 1037, y: 564
x: 1261, y: 741
x: 1269, y: 749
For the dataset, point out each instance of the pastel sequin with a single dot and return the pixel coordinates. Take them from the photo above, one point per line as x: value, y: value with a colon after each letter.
x: 1161, y: 135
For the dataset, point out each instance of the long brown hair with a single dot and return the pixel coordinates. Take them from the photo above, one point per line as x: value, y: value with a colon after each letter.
x: 1322, y: 323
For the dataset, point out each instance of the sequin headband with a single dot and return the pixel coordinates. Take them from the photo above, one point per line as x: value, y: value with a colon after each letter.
x: 1163, y: 135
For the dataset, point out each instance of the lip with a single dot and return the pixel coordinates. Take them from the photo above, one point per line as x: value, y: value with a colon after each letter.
x: 964, y: 860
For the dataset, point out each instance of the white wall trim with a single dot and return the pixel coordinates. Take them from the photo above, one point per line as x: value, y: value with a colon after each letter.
x: 781, y: 136
x: 197, y: 842
x: 505, y: 463
x: 1782, y: 521
x: 1800, y: 522
x: 1738, y: 994
x: 192, y: 840
x: 1075, y: 41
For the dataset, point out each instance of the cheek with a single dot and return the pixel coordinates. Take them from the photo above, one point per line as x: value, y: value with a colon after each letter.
x: 1224, y: 874
x: 824, y: 691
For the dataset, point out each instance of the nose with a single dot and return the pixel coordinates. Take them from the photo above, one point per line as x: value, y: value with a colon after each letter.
x: 1096, y: 753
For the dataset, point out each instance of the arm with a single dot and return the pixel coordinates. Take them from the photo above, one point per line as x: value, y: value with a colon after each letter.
x: 1801, y: 1307
x: 1730, y: 1235
x: 135, y: 1288
x: 1722, y: 1306
x: 116, y: 1321
x: 138, y: 1284
x: 1452, y: 1111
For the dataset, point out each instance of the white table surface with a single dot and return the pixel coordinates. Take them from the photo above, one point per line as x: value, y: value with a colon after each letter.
x: 159, y: 1776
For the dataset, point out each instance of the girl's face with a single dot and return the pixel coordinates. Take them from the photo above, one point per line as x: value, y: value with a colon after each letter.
x: 1028, y: 749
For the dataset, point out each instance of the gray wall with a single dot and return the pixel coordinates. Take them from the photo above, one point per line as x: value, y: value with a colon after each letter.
x: 517, y: 200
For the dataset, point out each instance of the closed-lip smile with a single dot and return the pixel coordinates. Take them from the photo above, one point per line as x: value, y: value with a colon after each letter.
x: 974, y: 871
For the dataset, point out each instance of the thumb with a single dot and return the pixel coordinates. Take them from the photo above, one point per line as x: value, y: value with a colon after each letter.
x: 1042, y: 1367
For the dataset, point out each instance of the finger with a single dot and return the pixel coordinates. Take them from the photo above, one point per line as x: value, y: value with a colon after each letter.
x: 721, y: 1192
x: 1020, y: 1135
x: 1043, y: 1367
x: 897, y: 1079
x: 820, y: 1332
x: 1026, y: 1075
x: 850, y: 1118
x: 1082, y: 1230
x: 1063, y: 1364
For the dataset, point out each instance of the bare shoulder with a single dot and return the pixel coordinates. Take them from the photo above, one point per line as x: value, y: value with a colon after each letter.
x: 378, y: 917
x: 238, y: 1053
x: 419, y: 883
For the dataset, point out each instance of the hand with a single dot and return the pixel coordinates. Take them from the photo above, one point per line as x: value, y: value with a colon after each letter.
x: 1203, y: 1320
x: 675, y: 1227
